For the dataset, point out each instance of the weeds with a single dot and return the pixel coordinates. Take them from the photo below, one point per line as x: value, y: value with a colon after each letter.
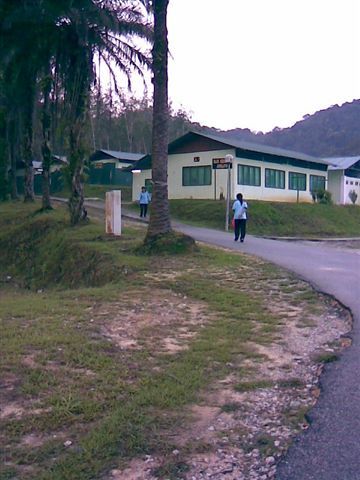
x: 72, y: 381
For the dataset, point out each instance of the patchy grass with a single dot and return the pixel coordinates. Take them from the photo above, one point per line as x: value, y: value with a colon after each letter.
x: 255, y: 385
x: 104, y: 350
x: 43, y: 250
x: 326, y: 357
x: 291, y: 383
x: 230, y: 407
x: 99, y: 191
x: 171, y: 470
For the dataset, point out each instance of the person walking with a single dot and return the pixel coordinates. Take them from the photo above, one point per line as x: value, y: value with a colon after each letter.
x: 240, y: 216
x: 144, y: 200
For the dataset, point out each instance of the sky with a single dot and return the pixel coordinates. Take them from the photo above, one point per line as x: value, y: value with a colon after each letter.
x: 261, y: 64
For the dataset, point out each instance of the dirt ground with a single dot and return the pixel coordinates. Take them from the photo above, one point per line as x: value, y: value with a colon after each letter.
x: 241, y: 424
x: 238, y: 430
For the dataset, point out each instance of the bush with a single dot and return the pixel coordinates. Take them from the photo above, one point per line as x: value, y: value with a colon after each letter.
x: 321, y: 196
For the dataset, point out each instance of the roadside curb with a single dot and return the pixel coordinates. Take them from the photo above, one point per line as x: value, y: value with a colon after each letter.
x: 310, y: 239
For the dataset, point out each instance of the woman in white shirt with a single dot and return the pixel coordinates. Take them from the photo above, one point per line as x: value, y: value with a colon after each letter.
x: 239, y: 208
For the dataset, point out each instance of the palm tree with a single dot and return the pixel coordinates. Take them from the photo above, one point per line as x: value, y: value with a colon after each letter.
x: 46, y: 121
x: 4, y: 167
x: 21, y: 44
x: 90, y: 29
x: 160, y: 214
x: 69, y: 33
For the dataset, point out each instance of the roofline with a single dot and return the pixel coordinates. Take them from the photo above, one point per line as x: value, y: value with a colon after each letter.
x: 239, y: 145
x: 248, y: 146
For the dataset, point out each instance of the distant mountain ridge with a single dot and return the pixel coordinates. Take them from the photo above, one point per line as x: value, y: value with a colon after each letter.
x: 332, y: 132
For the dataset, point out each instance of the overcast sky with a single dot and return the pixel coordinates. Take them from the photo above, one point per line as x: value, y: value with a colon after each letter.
x: 259, y: 64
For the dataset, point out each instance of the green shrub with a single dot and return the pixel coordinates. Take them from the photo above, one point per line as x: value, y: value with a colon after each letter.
x: 321, y: 196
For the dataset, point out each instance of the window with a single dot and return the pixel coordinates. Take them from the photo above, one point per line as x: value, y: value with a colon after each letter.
x: 297, y: 181
x: 274, y: 178
x: 196, y: 176
x: 317, y: 182
x: 249, y: 175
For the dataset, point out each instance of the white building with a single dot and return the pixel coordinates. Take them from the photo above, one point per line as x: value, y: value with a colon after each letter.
x: 258, y: 171
x: 344, y: 177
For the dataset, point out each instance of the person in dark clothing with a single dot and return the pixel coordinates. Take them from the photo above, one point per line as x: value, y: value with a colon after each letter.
x: 240, y: 216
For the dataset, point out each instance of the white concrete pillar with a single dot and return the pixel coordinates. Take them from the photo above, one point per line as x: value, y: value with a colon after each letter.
x: 113, y: 212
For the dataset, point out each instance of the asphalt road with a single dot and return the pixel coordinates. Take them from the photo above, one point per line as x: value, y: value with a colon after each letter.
x: 330, y: 448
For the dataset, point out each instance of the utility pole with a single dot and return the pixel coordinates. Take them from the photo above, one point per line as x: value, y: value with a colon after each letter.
x: 228, y: 160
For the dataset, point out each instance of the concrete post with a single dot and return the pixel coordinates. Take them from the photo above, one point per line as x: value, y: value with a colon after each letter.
x: 113, y: 212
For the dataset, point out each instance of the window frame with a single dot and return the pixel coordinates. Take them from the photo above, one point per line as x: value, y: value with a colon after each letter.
x: 255, y: 168
x: 274, y: 170
x: 194, y: 168
x: 311, y: 181
x: 302, y: 175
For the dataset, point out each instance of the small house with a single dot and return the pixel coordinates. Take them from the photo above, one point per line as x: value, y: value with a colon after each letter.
x: 107, y: 167
x: 344, y: 178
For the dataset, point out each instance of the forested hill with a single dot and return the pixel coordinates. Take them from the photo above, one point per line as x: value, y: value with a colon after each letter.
x: 327, y: 133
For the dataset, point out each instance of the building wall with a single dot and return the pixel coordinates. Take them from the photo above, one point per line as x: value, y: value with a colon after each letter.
x: 218, y: 185
x: 351, y: 183
x: 138, y: 181
x: 336, y: 185
x: 175, y: 174
x: 274, y: 194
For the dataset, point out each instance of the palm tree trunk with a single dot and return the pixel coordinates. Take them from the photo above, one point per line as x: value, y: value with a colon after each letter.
x: 27, y: 143
x: 29, y: 171
x: 79, y: 84
x: 76, y: 201
x: 45, y: 148
x: 76, y: 164
x: 160, y: 213
x: 12, y: 142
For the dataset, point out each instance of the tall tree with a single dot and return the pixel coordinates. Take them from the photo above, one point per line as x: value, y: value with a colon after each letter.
x: 91, y: 26
x: 17, y: 59
x: 4, y: 164
x: 69, y: 32
x: 160, y: 213
x: 46, y: 116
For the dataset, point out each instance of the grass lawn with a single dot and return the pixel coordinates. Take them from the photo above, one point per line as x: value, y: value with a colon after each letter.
x: 98, y: 191
x: 265, y: 218
x: 275, y: 218
x: 104, y: 350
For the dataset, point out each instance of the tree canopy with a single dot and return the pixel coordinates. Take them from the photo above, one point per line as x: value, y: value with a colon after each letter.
x: 58, y: 43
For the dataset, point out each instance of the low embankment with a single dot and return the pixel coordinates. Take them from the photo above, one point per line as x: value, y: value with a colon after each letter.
x: 274, y: 218
x: 43, y: 250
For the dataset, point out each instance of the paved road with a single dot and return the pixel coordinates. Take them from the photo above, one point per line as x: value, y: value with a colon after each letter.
x: 330, y: 449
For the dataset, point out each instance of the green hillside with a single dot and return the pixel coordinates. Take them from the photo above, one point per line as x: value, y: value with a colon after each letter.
x: 331, y: 132
x: 274, y: 218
